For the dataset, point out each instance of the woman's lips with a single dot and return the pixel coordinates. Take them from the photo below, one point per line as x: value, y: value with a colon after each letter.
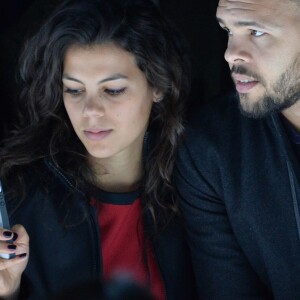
x: 95, y: 135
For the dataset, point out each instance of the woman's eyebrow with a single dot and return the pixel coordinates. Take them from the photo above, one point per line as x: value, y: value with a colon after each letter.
x: 113, y: 77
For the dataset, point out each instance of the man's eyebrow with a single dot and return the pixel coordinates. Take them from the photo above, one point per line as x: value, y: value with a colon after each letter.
x: 220, y: 21
x: 248, y: 23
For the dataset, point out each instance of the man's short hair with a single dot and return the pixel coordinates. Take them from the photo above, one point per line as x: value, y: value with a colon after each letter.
x: 296, y: 1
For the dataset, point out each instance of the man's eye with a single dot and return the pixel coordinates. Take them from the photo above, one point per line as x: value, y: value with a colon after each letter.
x: 227, y: 30
x: 257, y: 33
x: 73, y: 92
x: 115, y: 92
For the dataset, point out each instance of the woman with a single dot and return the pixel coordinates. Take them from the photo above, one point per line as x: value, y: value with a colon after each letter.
x: 87, y: 172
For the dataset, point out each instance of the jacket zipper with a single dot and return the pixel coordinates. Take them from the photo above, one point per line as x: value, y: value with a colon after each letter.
x: 97, y: 267
x: 294, y: 195
x: 292, y: 176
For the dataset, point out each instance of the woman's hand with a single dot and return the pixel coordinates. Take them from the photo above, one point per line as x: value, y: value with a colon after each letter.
x: 11, y: 269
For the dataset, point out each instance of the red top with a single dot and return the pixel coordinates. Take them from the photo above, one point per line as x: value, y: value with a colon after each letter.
x: 124, y: 247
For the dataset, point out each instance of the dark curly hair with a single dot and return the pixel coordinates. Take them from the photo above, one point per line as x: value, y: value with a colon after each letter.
x: 44, y: 129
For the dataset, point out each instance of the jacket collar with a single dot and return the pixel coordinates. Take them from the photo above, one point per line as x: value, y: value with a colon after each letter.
x: 58, y: 173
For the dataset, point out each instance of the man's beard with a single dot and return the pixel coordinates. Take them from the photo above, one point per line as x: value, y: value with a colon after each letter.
x: 283, y: 94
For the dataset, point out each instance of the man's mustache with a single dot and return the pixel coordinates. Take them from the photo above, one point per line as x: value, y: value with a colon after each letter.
x: 241, y: 70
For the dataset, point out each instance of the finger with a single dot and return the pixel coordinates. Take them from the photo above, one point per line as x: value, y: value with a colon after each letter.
x: 17, y: 245
x: 6, y: 234
x: 7, y: 263
x: 20, y: 234
x: 6, y: 247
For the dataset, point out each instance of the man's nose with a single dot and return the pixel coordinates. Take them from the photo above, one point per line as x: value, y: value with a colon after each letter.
x: 238, y: 50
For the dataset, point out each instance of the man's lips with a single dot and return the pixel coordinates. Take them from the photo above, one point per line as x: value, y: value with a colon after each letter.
x: 243, y: 83
x: 97, y: 134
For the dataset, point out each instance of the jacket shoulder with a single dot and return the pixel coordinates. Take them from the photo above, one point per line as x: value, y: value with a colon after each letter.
x: 215, y: 113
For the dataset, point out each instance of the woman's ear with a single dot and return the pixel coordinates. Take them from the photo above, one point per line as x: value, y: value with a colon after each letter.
x: 157, y: 96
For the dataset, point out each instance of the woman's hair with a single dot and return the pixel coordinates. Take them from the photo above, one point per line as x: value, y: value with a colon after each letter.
x: 44, y: 129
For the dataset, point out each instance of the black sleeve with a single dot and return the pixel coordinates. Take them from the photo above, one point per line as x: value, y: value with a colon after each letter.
x: 25, y: 289
x: 221, y: 268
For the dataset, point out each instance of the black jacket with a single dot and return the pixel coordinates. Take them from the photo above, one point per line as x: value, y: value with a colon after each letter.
x: 64, y: 240
x: 238, y: 180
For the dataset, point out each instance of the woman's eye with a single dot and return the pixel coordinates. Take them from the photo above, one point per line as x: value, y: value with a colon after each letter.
x: 114, y: 92
x: 257, y: 33
x: 73, y: 92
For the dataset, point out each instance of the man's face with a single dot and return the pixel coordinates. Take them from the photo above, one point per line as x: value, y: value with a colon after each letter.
x: 263, y: 52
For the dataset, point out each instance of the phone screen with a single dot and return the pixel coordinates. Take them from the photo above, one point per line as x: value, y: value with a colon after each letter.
x: 4, y: 221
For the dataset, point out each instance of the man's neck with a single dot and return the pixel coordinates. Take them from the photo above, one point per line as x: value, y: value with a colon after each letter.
x: 292, y: 114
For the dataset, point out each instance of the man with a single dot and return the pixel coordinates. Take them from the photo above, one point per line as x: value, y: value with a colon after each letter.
x: 238, y: 172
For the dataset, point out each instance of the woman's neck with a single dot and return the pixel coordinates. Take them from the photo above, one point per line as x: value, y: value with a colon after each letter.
x: 119, y: 174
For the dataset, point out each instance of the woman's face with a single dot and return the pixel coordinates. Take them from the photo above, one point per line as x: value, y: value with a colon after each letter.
x: 107, y: 98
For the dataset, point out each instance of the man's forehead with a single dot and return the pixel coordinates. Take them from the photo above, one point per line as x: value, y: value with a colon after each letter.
x: 268, y: 12
x: 251, y: 5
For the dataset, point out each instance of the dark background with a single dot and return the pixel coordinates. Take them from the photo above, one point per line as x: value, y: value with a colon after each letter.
x: 195, y: 18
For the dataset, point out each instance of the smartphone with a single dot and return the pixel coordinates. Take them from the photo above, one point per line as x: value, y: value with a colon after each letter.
x: 4, y: 221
